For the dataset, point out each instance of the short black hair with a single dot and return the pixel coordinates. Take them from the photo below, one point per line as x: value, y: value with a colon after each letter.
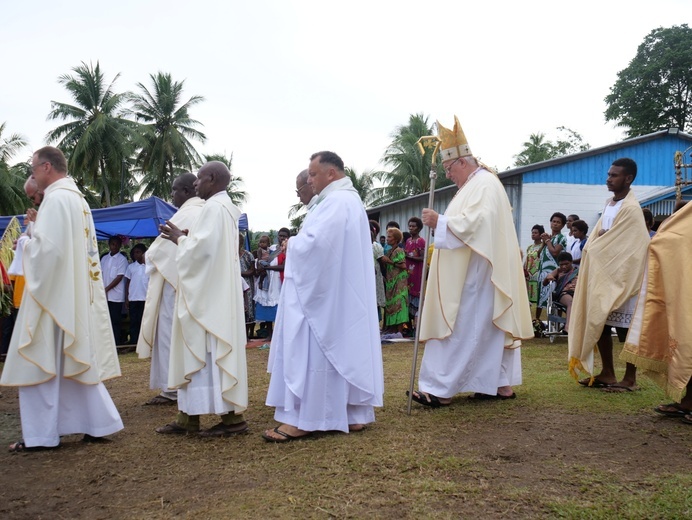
x: 417, y: 221
x: 136, y: 247
x: 573, y: 216
x: 392, y: 223
x: 374, y: 226
x: 540, y: 228
x: 648, y: 217
x: 628, y: 165
x: 329, y: 158
x: 581, y: 226
x: 564, y: 257
x: 559, y: 215
x: 115, y: 238
x: 285, y: 230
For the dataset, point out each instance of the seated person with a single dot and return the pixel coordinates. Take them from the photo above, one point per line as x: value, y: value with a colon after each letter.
x: 565, y: 277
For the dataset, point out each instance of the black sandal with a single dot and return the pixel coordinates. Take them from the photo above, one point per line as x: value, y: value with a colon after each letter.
x: 19, y: 447
x: 432, y: 402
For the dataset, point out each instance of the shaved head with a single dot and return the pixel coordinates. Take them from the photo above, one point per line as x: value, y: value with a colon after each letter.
x: 212, y: 178
x: 183, y: 189
x: 220, y: 172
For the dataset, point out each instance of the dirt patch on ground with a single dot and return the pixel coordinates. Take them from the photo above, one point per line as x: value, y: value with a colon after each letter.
x: 514, y: 459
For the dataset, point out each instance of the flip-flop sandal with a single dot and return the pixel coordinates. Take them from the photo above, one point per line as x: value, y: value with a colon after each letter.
x: 160, y: 400
x: 432, y: 402
x: 687, y: 419
x: 20, y: 447
x: 488, y: 397
x: 678, y: 412
x: 285, y: 437
x: 174, y: 428
x: 597, y: 383
x: 618, y: 389
x: 223, y: 430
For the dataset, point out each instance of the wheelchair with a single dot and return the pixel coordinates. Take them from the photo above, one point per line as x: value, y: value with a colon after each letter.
x: 557, y: 316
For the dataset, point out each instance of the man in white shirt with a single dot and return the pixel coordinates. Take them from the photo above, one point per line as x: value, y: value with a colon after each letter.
x: 113, y: 266
x: 136, y: 282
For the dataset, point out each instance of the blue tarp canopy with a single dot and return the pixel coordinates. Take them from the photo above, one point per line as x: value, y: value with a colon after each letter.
x: 139, y: 219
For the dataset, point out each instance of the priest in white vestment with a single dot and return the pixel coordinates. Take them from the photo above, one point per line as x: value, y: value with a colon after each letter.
x: 208, y: 339
x: 325, y: 359
x: 157, y: 322
x: 476, y: 309
x: 62, y: 348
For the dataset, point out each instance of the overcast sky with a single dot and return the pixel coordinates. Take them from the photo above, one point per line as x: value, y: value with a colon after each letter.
x: 283, y: 79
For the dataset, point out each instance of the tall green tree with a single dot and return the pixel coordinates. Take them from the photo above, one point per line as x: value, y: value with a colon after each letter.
x: 165, y: 143
x: 96, y: 137
x: 12, y: 198
x: 654, y: 91
x: 410, y: 171
x: 363, y: 183
x: 538, y: 148
x: 237, y: 195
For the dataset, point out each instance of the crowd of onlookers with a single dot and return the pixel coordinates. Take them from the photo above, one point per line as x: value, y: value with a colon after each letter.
x: 551, y: 262
x: 398, y: 262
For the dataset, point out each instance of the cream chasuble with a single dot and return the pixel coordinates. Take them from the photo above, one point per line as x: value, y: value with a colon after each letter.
x: 209, y: 300
x: 161, y: 267
x: 660, y: 336
x: 610, y: 273
x: 63, y: 289
x: 479, y: 216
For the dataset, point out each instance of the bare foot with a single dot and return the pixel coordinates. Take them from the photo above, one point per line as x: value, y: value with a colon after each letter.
x: 356, y: 427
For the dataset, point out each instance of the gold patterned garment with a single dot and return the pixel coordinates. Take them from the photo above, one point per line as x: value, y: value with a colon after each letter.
x: 660, y: 337
x: 479, y: 216
x: 610, y: 272
x: 64, y: 289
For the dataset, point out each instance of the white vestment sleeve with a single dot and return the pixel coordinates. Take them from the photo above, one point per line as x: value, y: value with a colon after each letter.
x: 444, y: 239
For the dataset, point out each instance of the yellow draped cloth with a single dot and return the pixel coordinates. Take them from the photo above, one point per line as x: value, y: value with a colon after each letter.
x: 64, y: 290
x: 610, y: 273
x: 160, y: 259
x: 660, y: 337
x: 480, y: 216
x: 209, y: 300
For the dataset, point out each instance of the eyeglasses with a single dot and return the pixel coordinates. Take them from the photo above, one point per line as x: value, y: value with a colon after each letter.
x: 447, y: 168
x: 33, y: 168
x: 300, y: 189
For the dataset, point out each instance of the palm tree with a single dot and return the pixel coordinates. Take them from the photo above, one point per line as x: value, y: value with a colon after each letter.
x: 12, y: 198
x: 238, y: 196
x: 536, y: 149
x: 410, y: 174
x: 96, y: 138
x: 363, y: 184
x: 165, y: 147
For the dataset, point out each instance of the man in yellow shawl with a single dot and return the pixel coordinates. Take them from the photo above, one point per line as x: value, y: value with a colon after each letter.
x: 660, y: 337
x: 610, y: 275
x: 476, y: 311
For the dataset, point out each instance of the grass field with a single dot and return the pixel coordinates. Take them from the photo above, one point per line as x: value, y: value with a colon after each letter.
x: 557, y: 451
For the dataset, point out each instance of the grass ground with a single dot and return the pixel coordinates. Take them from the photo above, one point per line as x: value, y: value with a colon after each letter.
x: 557, y: 451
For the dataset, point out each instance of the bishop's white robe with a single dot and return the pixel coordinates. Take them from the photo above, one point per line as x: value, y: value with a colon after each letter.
x: 62, y: 348
x: 325, y: 359
x: 476, y: 309
x: 208, y: 341
x: 157, y: 322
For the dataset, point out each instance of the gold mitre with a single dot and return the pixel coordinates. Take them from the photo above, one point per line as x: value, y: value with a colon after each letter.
x: 454, y: 143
